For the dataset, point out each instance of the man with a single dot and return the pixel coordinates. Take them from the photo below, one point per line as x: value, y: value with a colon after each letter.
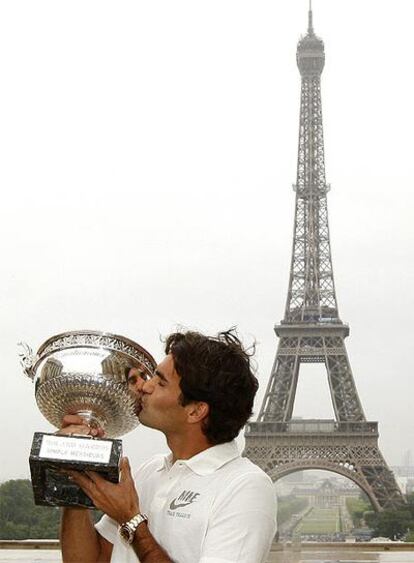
x: 203, y: 503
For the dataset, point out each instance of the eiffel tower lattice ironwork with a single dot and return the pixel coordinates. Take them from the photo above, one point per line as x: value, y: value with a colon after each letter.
x: 313, y: 332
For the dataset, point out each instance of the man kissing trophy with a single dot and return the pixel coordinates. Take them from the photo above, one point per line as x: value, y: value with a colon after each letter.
x: 82, y: 373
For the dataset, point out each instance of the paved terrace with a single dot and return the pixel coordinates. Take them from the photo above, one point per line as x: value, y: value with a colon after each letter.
x: 306, y: 552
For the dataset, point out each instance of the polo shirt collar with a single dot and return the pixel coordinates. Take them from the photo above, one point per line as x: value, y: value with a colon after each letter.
x: 207, y: 461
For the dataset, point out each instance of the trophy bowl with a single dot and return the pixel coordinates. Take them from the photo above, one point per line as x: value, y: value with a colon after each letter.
x: 83, y: 373
x: 86, y: 373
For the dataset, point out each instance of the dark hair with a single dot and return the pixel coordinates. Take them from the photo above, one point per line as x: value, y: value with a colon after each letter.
x: 216, y: 370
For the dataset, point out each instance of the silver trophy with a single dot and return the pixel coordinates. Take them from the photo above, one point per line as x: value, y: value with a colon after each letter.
x: 83, y: 373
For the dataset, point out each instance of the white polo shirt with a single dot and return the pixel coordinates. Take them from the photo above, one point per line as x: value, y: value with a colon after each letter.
x: 216, y: 507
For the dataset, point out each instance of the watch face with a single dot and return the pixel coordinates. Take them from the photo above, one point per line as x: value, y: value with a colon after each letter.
x: 126, y: 534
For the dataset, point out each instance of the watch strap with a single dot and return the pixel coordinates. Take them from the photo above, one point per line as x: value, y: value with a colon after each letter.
x: 137, y: 520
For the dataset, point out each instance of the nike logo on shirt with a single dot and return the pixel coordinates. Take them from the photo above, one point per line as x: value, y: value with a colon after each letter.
x: 187, y: 497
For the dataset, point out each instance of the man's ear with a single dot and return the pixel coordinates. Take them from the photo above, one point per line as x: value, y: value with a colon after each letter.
x: 197, y: 411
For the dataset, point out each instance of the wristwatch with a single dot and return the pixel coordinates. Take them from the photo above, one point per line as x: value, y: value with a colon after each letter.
x: 127, y: 530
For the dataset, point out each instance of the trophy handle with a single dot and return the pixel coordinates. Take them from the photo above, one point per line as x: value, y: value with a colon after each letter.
x: 27, y: 359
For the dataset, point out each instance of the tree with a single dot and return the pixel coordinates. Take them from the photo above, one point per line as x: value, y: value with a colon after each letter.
x: 393, y: 524
x: 396, y: 523
x: 21, y: 519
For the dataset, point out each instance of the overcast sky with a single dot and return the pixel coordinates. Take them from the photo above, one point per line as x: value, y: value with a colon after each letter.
x: 147, y: 153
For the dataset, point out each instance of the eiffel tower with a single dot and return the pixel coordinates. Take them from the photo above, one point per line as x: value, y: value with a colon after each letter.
x: 312, y: 332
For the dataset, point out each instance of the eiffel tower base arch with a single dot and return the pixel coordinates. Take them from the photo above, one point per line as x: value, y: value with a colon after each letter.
x: 350, y: 450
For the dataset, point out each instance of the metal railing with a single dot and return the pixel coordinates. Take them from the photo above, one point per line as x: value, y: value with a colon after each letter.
x: 312, y: 427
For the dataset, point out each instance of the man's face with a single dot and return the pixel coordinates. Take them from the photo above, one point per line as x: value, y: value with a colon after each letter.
x: 158, y: 403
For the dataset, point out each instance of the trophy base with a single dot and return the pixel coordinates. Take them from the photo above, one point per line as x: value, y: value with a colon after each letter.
x: 52, y: 454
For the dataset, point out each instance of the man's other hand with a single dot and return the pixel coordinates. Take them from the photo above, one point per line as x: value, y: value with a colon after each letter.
x: 75, y: 424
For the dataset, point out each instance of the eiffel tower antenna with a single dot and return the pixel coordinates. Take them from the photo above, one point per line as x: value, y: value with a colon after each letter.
x: 313, y: 332
x: 310, y: 19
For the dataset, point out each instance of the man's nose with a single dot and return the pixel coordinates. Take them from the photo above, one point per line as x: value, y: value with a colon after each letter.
x: 148, y: 386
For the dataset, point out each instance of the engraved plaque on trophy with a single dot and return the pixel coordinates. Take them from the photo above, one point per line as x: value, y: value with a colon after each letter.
x: 83, y: 373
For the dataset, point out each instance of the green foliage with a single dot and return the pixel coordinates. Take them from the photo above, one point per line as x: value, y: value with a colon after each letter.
x: 357, y: 508
x: 370, y: 517
x: 287, y: 506
x: 410, y: 536
x: 394, y: 524
x: 21, y: 519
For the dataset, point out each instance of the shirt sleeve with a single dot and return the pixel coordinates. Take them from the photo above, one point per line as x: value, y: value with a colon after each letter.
x: 107, y: 528
x: 243, y: 522
x: 121, y: 552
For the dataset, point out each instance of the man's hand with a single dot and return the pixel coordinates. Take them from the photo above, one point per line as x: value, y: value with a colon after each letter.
x: 119, y: 501
x: 74, y: 424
